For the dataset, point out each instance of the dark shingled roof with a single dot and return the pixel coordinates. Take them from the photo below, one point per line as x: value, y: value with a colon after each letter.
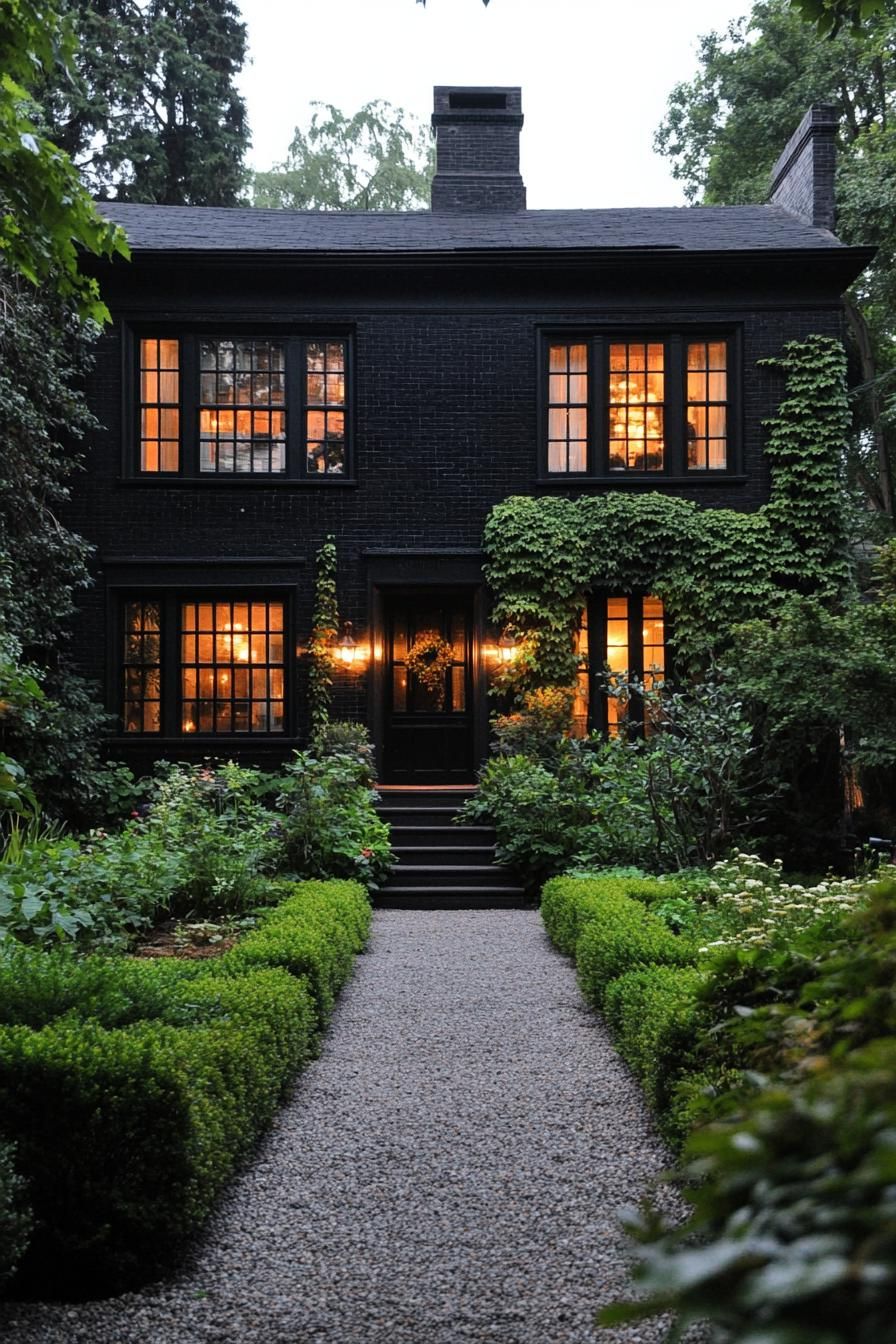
x: 738, y: 228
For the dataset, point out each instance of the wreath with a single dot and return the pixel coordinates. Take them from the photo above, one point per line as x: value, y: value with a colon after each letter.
x: 429, y: 658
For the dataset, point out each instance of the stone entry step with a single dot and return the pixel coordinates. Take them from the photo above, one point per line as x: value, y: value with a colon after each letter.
x: 440, y: 865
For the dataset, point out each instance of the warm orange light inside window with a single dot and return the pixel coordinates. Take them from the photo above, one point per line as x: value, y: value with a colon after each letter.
x: 159, y: 405
x: 232, y: 667
x: 635, y: 403
x: 707, y: 406
x: 568, y: 407
x: 616, y: 658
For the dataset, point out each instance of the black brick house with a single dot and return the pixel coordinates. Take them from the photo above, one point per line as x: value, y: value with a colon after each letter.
x: 272, y: 377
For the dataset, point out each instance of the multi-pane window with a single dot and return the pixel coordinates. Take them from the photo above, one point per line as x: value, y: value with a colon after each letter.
x: 142, y: 663
x: 325, y: 407
x: 159, y: 405
x: 568, y: 407
x: 229, y: 407
x: 622, y: 638
x: 214, y: 667
x: 707, y: 405
x: 635, y: 403
x: 242, y: 401
x: 637, y: 407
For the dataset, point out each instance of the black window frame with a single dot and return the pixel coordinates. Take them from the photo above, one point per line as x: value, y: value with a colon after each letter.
x: 675, y: 341
x: 170, y: 599
x: 296, y: 403
x: 598, y: 720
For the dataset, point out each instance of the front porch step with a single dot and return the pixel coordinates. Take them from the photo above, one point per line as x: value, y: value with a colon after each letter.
x: 478, y: 876
x: 432, y: 856
x: 451, y: 898
x: 416, y: 816
x: 440, y: 865
x: 443, y: 837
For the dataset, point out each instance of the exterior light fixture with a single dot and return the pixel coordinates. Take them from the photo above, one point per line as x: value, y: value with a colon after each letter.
x: 346, y: 647
x: 507, y: 647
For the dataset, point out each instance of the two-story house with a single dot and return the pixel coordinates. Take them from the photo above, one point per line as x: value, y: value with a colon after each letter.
x: 272, y: 377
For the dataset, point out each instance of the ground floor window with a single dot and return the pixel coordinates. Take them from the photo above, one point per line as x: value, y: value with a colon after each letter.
x: 625, y: 634
x: 193, y: 664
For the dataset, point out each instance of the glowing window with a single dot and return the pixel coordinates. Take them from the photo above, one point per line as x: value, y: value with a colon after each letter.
x: 568, y: 408
x: 636, y: 406
x: 232, y: 667
x: 242, y: 401
x: 707, y: 406
x: 159, y: 405
x: 142, y: 668
x: 325, y: 408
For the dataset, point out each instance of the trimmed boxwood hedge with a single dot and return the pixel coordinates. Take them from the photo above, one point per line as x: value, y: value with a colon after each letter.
x: 654, y: 1014
x: 132, y: 1088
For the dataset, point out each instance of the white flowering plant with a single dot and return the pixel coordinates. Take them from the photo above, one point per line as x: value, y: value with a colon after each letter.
x: 744, y: 902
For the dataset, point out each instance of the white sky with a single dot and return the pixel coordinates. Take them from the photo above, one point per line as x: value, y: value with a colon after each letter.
x: 595, y: 76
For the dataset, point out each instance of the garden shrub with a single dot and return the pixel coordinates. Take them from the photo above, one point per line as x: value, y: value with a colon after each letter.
x: 313, y: 933
x: 126, y: 1136
x: 622, y: 935
x: 792, y: 1235
x: 330, y: 827
x: 15, y: 1215
x: 225, y: 839
x: 654, y: 1014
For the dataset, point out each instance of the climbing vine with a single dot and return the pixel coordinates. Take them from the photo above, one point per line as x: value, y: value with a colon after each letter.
x: 324, y: 629
x: 713, y: 568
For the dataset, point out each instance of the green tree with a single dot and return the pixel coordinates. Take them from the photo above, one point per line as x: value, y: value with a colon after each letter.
x: 724, y: 130
x: 829, y: 16
x: 46, y: 215
x: 152, y: 113
x: 379, y: 158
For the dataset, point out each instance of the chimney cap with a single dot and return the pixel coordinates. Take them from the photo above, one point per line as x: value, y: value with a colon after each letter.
x: 486, y: 102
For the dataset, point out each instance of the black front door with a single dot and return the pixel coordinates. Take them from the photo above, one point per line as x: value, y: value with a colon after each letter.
x: 428, y: 720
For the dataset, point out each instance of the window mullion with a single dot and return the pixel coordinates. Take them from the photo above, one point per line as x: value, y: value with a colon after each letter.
x: 295, y: 408
x: 675, y: 464
x: 597, y: 409
x: 189, y: 418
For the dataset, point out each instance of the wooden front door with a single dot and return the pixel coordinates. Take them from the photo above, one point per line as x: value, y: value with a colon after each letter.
x: 428, y: 721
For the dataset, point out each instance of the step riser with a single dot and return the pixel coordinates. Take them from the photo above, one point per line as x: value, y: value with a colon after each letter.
x: 443, y: 837
x: 434, y: 858
x: 420, y: 816
x: 448, y: 877
x: 454, y: 798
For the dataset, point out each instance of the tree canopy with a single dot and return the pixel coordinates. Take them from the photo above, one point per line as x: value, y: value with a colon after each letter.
x: 46, y: 214
x: 725, y: 128
x: 152, y: 112
x: 378, y: 158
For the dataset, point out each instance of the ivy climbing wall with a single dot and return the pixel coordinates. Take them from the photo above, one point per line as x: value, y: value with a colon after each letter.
x: 712, y: 567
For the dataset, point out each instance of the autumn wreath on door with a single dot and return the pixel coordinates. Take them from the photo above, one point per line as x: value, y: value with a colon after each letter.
x: 429, y: 658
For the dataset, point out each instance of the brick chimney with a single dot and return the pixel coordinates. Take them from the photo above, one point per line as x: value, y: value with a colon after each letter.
x: 803, y: 177
x: 477, y: 150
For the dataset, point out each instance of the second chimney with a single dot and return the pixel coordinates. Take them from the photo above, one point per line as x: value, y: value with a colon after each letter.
x: 477, y: 150
x: 803, y: 177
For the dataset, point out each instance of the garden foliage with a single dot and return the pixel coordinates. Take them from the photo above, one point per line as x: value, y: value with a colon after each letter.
x: 775, y: 1053
x: 132, y: 1089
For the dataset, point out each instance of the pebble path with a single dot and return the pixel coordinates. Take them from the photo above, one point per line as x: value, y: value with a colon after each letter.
x: 448, y: 1172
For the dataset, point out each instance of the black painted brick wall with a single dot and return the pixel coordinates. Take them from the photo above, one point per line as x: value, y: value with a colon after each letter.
x: 445, y: 424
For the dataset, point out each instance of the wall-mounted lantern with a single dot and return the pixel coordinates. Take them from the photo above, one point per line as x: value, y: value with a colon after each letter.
x: 507, y: 647
x: 346, y: 646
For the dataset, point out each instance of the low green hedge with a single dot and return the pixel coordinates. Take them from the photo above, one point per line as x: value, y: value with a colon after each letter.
x: 654, y: 1015
x: 622, y: 935
x: 133, y: 1088
x: 569, y: 903
x: 313, y: 933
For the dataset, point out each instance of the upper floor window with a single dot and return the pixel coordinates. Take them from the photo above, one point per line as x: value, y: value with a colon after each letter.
x: 638, y: 407
x: 233, y: 407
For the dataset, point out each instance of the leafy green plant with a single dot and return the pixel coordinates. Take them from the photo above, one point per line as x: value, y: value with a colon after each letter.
x: 330, y: 828
x: 324, y: 629
x: 653, y: 1013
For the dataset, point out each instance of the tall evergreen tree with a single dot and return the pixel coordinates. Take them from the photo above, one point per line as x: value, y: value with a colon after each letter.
x: 154, y: 114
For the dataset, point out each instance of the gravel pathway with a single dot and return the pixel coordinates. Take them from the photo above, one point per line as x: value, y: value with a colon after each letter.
x: 448, y: 1171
